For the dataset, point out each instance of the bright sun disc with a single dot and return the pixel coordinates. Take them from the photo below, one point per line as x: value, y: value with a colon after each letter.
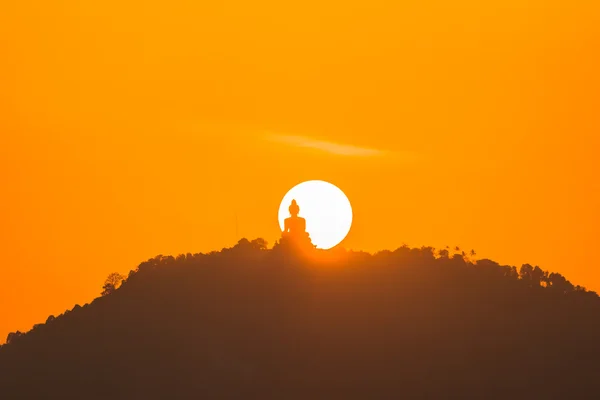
x: 326, y: 209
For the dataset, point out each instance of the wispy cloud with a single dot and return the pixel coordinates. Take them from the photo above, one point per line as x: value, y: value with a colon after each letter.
x: 330, y: 147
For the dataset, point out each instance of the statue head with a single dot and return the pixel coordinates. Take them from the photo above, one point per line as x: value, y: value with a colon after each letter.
x: 294, y: 209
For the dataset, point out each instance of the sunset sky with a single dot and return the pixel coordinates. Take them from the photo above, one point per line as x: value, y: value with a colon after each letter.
x: 135, y: 128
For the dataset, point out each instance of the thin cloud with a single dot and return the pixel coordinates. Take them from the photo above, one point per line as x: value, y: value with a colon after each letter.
x: 329, y: 147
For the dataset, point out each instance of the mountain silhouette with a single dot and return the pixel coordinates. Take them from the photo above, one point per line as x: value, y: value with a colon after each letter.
x: 255, y: 323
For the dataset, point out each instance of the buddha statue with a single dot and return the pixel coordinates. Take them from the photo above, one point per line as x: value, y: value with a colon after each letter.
x: 295, y: 226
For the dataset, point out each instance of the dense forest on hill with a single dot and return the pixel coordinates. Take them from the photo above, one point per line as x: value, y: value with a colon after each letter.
x: 254, y: 323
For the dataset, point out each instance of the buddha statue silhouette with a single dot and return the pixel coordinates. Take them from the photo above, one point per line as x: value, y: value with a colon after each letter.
x: 295, y: 227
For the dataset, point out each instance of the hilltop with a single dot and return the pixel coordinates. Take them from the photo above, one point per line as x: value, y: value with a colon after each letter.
x: 255, y: 323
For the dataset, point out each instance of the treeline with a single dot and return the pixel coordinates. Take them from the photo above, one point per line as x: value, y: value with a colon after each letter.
x: 252, y: 322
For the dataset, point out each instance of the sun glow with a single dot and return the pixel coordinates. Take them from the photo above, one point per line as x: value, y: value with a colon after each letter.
x: 325, y: 207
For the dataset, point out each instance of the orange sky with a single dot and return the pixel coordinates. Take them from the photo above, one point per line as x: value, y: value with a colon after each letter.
x: 131, y: 129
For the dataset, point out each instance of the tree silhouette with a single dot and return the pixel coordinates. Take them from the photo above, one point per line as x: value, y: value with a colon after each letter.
x: 444, y: 253
x: 112, y: 283
x: 13, y: 337
x: 260, y: 244
x: 559, y: 283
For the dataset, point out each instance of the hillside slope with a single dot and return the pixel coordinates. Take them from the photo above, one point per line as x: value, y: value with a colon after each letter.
x: 251, y: 323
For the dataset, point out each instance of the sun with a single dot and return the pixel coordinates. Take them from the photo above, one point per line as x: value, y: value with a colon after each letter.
x: 325, y: 207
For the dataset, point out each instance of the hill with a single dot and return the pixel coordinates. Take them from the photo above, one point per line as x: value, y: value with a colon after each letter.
x: 253, y: 323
